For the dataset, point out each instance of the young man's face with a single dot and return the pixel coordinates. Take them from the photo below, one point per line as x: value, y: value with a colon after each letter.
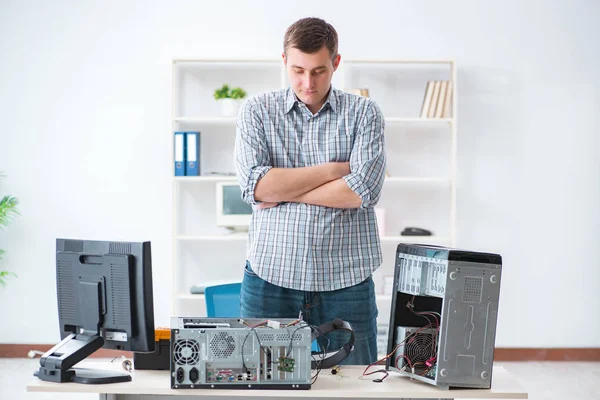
x: 310, y: 75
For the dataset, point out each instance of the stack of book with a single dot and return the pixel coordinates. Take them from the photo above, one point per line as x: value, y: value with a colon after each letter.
x: 437, y: 102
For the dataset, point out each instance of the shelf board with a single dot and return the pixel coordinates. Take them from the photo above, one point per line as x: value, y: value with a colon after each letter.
x: 394, y: 61
x: 279, y: 61
x: 207, y: 120
x: 203, y: 238
x: 416, y: 179
x: 415, y: 239
x: 418, y: 120
x: 189, y: 296
x: 383, y: 297
x: 244, y: 236
x: 211, y: 178
x: 216, y: 120
x: 389, y: 179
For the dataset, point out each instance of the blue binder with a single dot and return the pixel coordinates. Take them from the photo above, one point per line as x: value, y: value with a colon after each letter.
x: 192, y: 143
x: 179, y: 156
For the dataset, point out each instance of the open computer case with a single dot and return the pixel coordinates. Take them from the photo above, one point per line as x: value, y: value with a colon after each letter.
x: 444, y: 311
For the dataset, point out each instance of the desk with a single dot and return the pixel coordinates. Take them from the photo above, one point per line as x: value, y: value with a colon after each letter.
x: 346, y: 385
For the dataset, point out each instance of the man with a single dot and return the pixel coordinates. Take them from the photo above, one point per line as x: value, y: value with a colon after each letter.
x: 311, y: 161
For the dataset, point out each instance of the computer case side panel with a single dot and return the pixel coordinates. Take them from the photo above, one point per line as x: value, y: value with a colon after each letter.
x: 444, y: 315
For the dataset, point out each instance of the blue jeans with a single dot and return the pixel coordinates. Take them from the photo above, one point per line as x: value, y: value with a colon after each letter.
x: 355, y: 304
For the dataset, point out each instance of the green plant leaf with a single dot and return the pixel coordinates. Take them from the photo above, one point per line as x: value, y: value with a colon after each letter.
x: 8, y: 209
x: 222, y: 92
x: 225, y: 93
x: 4, y: 275
x: 238, y: 93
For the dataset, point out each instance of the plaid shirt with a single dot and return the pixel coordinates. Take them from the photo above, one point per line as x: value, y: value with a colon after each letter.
x: 302, y: 246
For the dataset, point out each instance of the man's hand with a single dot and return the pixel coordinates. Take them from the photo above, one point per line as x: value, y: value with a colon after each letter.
x: 266, y: 205
x: 335, y: 194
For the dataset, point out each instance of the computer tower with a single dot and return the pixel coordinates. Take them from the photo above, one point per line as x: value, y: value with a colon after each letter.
x: 235, y: 353
x: 442, y: 327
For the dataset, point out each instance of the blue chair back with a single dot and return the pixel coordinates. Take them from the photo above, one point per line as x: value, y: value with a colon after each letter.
x: 223, y: 301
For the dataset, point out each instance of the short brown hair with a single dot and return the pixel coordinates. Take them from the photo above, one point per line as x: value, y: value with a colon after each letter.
x: 309, y: 35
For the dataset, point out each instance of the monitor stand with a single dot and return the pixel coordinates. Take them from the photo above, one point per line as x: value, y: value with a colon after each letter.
x: 55, y: 365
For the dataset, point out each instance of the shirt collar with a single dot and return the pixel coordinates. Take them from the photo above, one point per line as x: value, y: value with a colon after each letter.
x: 291, y: 99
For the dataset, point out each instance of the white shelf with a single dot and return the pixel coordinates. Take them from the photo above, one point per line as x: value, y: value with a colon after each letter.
x: 216, y: 120
x: 193, y: 108
x: 279, y: 61
x: 201, y: 238
x: 416, y: 179
x: 215, y: 178
x: 383, y: 298
x: 393, y: 61
x: 416, y: 239
x: 391, y: 179
x: 419, y: 120
x: 189, y: 296
x: 206, y: 120
x: 380, y: 298
x: 236, y: 61
x: 244, y: 236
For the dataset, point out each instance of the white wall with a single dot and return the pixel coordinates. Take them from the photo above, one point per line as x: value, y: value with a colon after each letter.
x: 85, y: 122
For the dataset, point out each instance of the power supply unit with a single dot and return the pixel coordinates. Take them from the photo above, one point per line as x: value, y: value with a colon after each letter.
x: 442, y: 327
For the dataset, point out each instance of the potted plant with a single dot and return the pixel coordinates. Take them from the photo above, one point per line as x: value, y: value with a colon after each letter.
x: 230, y: 99
x: 8, y: 210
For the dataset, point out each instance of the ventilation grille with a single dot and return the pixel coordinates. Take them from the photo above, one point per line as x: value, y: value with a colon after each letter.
x: 119, y: 248
x: 119, y: 287
x: 286, y: 337
x: 420, y: 347
x: 472, y: 291
x: 280, y: 337
x: 75, y: 246
x: 222, y: 345
x: 66, y: 300
x: 266, y: 337
x: 186, y: 352
x: 248, y: 346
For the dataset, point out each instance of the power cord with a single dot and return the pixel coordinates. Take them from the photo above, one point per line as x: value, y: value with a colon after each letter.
x: 33, y: 353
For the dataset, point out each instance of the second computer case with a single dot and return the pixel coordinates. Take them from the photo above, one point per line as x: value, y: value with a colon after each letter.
x: 444, y: 311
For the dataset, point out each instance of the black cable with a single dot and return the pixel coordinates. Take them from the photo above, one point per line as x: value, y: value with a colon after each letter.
x: 259, y: 344
x: 378, y: 380
x: 323, y: 353
x: 292, y: 335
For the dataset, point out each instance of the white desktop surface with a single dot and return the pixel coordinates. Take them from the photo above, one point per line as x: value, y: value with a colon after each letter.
x: 346, y: 385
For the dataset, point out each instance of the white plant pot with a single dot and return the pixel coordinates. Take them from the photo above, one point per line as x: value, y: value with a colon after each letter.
x: 230, y: 107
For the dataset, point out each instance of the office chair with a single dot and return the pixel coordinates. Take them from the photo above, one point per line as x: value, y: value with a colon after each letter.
x: 223, y: 301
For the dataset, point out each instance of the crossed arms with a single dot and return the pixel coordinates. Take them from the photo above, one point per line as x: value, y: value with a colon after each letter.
x: 353, y: 184
x: 320, y: 185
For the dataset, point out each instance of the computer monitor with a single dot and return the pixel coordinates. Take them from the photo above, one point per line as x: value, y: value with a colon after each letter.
x: 104, y: 292
x: 232, y: 212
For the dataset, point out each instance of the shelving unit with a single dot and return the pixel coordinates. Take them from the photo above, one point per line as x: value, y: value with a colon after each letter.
x: 421, y: 162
